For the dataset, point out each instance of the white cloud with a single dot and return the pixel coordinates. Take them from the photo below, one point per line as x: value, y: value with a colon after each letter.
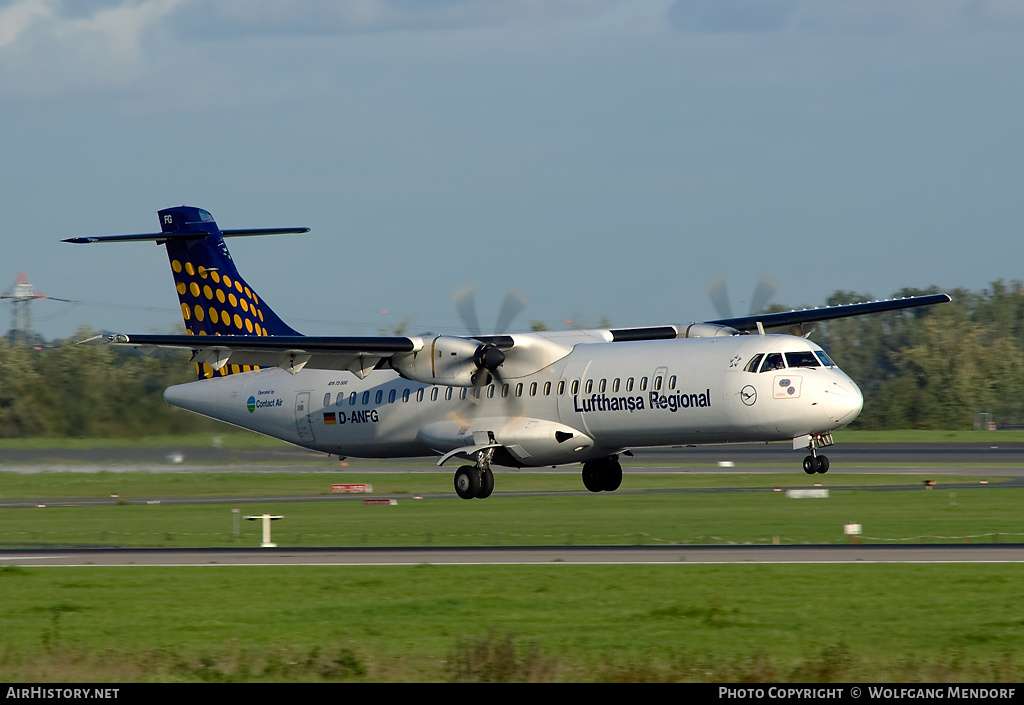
x: 842, y: 16
x: 50, y: 45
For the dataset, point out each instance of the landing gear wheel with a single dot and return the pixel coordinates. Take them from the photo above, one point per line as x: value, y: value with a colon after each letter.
x: 604, y: 475
x: 822, y: 464
x: 467, y: 482
x: 612, y: 475
x: 811, y: 465
x: 592, y: 476
x: 486, y: 484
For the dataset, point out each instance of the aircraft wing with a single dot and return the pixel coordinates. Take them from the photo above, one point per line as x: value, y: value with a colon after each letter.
x: 455, y: 360
x: 799, y: 319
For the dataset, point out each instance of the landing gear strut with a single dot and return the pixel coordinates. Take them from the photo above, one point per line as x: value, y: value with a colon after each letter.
x: 476, y: 481
x: 604, y: 475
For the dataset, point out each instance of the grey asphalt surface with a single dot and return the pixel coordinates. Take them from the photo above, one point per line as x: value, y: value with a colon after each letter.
x: 751, y: 457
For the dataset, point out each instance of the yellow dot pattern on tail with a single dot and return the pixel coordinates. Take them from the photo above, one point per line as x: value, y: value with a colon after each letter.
x: 216, y: 304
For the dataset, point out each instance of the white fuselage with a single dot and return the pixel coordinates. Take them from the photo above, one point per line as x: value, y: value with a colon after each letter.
x: 599, y: 399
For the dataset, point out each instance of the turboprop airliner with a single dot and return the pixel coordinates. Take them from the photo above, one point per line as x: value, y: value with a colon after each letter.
x: 511, y: 399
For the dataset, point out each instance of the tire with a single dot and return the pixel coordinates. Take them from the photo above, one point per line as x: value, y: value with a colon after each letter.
x: 822, y: 464
x: 592, y: 476
x: 486, y: 484
x: 810, y: 465
x: 612, y: 475
x: 467, y: 482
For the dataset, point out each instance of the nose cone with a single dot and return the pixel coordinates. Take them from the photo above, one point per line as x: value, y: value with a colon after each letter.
x: 843, y: 401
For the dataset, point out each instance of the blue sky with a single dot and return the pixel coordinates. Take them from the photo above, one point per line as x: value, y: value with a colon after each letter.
x: 608, y: 159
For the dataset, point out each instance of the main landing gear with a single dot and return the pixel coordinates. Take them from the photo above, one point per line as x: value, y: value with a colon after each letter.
x: 476, y: 481
x: 604, y: 475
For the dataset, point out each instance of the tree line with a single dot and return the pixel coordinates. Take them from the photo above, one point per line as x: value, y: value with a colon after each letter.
x: 937, y: 367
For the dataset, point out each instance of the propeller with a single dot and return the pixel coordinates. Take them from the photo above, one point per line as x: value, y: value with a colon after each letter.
x: 764, y: 290
x: 488, y: 357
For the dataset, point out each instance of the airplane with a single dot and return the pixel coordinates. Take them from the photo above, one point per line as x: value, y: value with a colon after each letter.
x: 516, y: 400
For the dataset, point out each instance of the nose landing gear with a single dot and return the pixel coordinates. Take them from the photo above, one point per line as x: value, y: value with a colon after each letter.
x: 815, y: 463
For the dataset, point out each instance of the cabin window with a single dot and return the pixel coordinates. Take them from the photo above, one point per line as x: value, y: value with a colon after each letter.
x: 672, y: 382
x: 392, y: 395
x: 419, y: 394
x: 366, y: 397
x: 519, y: 389
x: 352, y: 399
x: 629, y: 384
x: 433, y: 394
x: 533, y: 389
x: 504, y: 391
x: 327, y: 399
x: 490, y: 391
x: 405, y: 395
x: 804, y: 358
x: 462, y: 393
x: 561, y: 387
x: 602, y: 385
x: 657, y: 383
x: 448, y: 393
x: 615, y: 384
x: 754, y: 362
x: 773, y: 361
x: 643, y: 384
x: 588, y: 387
x: 575, y: 386
x: 547, y: 388
x: 379, y: 396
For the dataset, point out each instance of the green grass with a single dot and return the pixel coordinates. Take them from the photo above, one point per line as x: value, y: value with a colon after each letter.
x: 558, y: 622
x: 848, y: 623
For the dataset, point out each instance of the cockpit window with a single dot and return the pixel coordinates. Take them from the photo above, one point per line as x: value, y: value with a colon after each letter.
x: 825, y: 359
x: 754, y: 362
x: 773, y: 361
x: 804, y: 358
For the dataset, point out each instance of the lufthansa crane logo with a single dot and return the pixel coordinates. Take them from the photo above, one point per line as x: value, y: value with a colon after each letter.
x: 748, y: 395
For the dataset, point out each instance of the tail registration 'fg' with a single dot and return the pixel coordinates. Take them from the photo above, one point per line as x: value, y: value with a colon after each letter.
x: 508, y: 399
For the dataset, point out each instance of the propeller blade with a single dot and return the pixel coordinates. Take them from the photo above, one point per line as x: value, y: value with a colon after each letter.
x: 465, y: 304
x: 764, y: 291
x: 511, y: 307
x: 719, y: 296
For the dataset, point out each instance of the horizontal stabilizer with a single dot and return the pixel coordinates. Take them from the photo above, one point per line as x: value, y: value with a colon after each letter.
x: 310, y: 343
x: 161, y: 238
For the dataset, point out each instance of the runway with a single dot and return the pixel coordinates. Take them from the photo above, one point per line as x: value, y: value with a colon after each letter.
x: 540, y: 555
x: 948, y: 458
x: 1002, y: 460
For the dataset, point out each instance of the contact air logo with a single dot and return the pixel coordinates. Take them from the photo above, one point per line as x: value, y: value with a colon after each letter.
x: 253, y: 403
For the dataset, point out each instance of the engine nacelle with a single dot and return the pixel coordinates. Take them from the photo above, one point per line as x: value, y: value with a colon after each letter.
x: 448, y: 360
x: 708, y: 330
